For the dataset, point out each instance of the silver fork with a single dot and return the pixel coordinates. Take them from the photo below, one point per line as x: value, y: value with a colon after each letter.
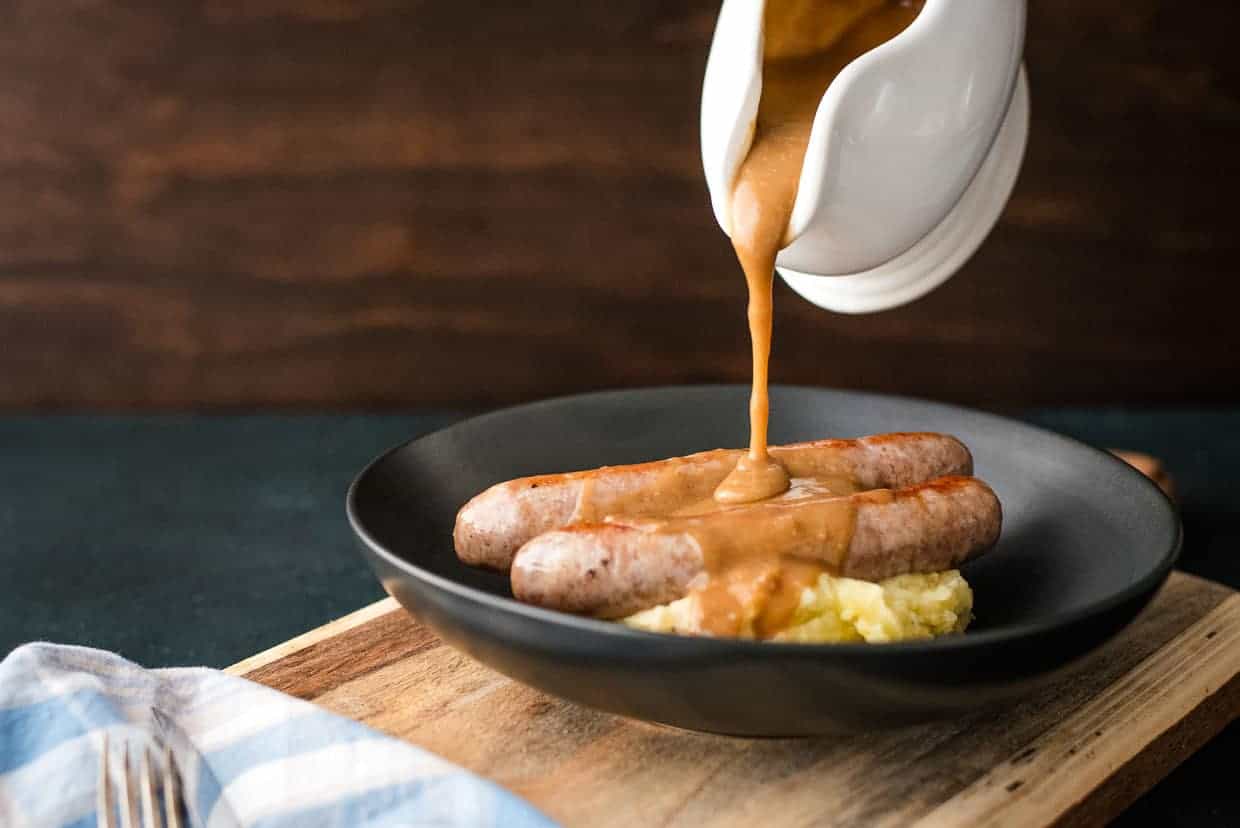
x: 152, y: 787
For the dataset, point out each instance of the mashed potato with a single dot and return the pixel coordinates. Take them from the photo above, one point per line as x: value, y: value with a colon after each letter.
x: 836, y: 610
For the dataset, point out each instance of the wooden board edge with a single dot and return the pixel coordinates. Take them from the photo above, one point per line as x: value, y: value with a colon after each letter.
x: 1159, y: 758
x: 329, y: 630
x: 1166, y: 713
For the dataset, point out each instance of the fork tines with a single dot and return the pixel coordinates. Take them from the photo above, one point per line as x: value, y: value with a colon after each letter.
x: 137, y: 809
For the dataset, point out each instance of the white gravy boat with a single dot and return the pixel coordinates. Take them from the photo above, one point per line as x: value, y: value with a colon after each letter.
x: 913, y: 153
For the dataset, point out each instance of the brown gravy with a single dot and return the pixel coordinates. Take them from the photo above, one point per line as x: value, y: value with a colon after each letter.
x: 759, y: 557
x: 806, y: 43
x: 757, y: 548
x: 755, y: 576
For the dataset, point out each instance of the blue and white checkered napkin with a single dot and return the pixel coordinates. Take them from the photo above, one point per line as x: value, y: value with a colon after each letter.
x: 247, y: 755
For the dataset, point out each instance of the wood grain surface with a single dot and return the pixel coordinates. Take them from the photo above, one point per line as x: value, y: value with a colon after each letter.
x: 1076, y: 753
x: 377, y: 203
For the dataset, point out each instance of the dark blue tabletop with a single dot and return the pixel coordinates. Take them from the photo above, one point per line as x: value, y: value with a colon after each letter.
x: 202, y: 539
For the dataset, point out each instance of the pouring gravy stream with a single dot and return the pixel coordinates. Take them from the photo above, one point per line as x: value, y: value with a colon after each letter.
x: 751, y: 586
x: 806, y: 43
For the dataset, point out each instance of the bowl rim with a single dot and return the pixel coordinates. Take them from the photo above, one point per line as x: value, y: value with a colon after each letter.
x: 705, y: 646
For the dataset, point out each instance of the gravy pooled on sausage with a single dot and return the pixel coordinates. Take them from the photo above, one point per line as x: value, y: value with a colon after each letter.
x: 630, y: 564
x: 495, y: 523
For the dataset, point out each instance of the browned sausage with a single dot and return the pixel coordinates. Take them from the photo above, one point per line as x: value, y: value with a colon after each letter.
x: 491, y: 527
x: 615, y: 569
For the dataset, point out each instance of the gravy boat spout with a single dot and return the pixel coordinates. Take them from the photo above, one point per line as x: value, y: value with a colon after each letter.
x: 914, y: 149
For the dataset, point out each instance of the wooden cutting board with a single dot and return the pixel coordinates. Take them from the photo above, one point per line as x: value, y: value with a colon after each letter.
x: 1077, y: 753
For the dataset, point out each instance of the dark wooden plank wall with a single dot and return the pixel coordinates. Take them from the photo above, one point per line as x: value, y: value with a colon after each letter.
x: 390, y: 202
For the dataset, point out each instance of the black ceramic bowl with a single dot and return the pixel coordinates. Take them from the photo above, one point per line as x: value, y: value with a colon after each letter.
x: 1086, y: 542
